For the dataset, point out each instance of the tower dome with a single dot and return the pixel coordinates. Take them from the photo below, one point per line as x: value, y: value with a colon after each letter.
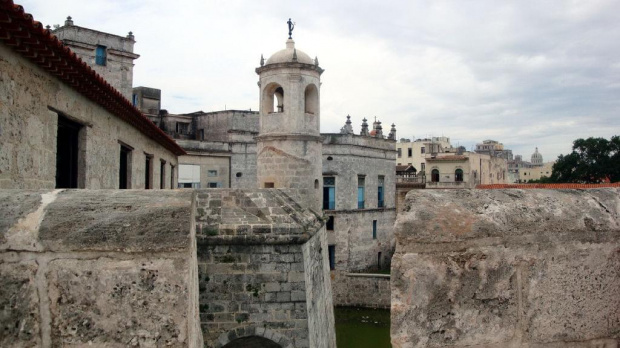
x: 290, y: 55
x: 537, y: 158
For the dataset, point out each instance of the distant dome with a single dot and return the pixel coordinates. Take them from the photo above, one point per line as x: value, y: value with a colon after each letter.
x: 537, y: 157
x: 286, y: 55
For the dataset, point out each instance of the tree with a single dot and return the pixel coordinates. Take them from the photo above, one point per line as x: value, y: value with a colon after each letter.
x: 593, y: 160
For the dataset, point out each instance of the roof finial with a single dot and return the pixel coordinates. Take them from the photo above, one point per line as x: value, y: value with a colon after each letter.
x: 364, y: 131
x: 294, y: 55
x: 316, y: 61
x: 262, y: 60
x: 291, y: 26
x: 69, y: 21
x: 347, y: 129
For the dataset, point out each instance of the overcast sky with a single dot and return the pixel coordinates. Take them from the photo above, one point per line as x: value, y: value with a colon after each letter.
x: 526, y: 73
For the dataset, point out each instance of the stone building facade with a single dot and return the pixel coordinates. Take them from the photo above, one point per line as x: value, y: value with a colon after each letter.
x: 111, y: 56
x: 359, y: 200
x: 494, y: 148
x: 64, y: 126
x: 414, y: 153
x: 465, y: 170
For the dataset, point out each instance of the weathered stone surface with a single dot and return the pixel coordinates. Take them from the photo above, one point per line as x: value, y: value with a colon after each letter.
x: 436, y: 216
x: 118, y: 220
x: 15, y: 208
x: 507, y: 268
x: 19, y: 310
x: 253, y: 216
x: 115, y: 303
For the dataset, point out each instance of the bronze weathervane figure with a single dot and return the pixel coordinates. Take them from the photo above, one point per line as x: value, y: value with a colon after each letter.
x: 291, y: 26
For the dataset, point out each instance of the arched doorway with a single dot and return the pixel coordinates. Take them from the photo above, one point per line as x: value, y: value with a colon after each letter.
x: 435, y: 175
x: 252, y: 342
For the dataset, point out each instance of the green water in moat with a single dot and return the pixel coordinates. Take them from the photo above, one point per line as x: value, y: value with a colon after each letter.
x: 362, y: 327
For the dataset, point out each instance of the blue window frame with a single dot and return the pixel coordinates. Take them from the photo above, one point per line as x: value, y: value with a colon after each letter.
x: 329, y: 193
x: 100, y: 55
x: 380, y: 192
x: 374, y: 229
x: 360, y: 192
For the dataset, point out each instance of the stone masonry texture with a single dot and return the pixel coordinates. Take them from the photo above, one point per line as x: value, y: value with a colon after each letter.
x: 107, y: 268
x: 263, y: 269
x: 507, y: 268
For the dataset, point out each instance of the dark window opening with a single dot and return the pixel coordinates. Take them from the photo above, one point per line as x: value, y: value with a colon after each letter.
x: 422, y: 149
x: 329, y: 158
x: 148, y: 172
x: 329, y: 225
x: 67, y: 153
x: 409, y: 152
x: 212, y: 185
x: 162, y: 175
x: 332, y: 256
x: 399, y: 151
x: 458, y: 175
x: 239, y: 174
x: 171, y: 176
x: 183, y: 128
x: 125, y: 168
x: 316, y: 184
x: 269, y: 185
x: 374, y: 229
x: 435, y: 175
x: 380, y: 202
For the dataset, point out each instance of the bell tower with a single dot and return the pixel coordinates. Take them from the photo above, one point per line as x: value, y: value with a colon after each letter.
x: 289, y: 143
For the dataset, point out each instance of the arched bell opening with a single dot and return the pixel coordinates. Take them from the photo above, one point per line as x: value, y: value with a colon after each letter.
x: 273, y: 98
x: 311, y: 100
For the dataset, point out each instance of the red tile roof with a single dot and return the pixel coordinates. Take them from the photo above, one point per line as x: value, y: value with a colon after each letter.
x: 448, y: 158
x: 28, y: 38
x: 545, y: 186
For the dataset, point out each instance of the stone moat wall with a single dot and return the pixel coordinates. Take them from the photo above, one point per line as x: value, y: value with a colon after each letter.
x: 507, y: 268
x: 361, y: 289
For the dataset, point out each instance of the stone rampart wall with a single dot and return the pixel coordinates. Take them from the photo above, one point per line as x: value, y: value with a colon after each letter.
x: 507, y: 268
x: 98, y: 268
x: 361, y: 289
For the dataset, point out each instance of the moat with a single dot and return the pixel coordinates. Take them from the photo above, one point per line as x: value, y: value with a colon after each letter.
x: 362, y: 327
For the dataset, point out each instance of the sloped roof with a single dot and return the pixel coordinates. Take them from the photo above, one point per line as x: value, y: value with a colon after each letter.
x: 449, y: 158
x: 27, y: 37
x: 406, y: 168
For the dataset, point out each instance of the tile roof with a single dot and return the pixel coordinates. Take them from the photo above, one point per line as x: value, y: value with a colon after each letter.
x: 27, y: 37
x: 448, y: 158
x: 545, y: 186
x: 402, y: 168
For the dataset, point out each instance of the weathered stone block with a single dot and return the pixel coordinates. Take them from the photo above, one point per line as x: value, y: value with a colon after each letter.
x: 118, y: 220
x: 19, y: 305
x: 119, y: 303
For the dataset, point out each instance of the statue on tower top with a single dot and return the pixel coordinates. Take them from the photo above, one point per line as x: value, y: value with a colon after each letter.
x: 291, y: 26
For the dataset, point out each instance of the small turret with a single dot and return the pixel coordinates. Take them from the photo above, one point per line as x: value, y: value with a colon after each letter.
x: 347, y: 128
